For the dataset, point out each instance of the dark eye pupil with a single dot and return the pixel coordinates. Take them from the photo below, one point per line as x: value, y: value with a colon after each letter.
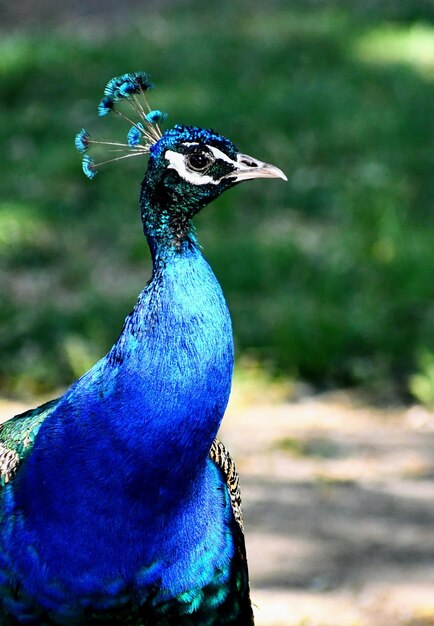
x: 198, y: 161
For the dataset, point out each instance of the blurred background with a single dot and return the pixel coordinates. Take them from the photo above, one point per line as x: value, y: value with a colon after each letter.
x: 329, y: 278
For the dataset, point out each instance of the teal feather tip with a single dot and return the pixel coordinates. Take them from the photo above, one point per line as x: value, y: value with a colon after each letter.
x: 135, y: 134
x: 82, y: 140
x: 105, y: 106
x: 88, y: 167
x: 126, y: 85
x: 130, y: 89
x: 156, y: 116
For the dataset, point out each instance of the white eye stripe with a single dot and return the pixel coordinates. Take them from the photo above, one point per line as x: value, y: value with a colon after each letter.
x: 177, y: 163
x: 216, y: 152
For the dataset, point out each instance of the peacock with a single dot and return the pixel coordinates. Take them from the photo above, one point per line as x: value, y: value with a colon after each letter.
x: 118, y: 505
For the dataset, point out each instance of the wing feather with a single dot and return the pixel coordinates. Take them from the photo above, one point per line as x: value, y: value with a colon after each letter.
x: 238, y: 604
x: 17, y: 437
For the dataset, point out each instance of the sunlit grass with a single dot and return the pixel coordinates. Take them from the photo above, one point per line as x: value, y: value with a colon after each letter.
x: 14, y: 54
x: 422, y: 383
x: 391, y: 44
x: 21, y: 226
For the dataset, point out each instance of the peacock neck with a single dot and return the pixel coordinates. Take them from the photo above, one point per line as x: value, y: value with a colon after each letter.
x: 165, y: 248
x: 166, y: 382
x: 145, y: 415
x: 166, y: 217
x: 132, y: 436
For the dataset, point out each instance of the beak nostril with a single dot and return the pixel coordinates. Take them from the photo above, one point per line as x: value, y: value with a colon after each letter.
x: 249, y: 163
x: 247, y: 168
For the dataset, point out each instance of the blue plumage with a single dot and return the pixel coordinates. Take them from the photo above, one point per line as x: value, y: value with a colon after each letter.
x: 112, y: 509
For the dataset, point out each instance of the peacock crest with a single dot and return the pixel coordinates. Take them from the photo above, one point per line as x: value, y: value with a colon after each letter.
x: 131, y: 89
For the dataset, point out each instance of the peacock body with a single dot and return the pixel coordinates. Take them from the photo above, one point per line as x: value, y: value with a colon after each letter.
x: 117, y: 506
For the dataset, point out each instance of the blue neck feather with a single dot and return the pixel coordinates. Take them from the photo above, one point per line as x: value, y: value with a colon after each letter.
x: 124, y: 456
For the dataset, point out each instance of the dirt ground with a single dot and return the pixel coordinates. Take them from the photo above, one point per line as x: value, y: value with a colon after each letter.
x: 339, y: 516
x: 338, y: 505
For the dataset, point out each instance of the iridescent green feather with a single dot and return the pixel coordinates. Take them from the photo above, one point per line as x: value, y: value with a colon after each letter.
x: 17, y: 437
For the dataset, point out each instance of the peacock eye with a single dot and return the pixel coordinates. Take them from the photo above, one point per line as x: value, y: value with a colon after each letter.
x: 198, y: 161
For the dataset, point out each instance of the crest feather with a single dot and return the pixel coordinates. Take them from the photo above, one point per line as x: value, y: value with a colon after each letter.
x: 130, y: 89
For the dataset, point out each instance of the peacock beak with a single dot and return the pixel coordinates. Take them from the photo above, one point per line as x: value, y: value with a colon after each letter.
x: 247, y: 167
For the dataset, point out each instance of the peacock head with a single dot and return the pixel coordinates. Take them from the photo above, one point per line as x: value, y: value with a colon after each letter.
x: 188, y: 166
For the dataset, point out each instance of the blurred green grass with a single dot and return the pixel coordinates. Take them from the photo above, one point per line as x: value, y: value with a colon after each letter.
x: 329, y: 278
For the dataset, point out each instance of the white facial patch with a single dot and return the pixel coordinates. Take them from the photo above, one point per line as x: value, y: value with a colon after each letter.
x: 177, y: 163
